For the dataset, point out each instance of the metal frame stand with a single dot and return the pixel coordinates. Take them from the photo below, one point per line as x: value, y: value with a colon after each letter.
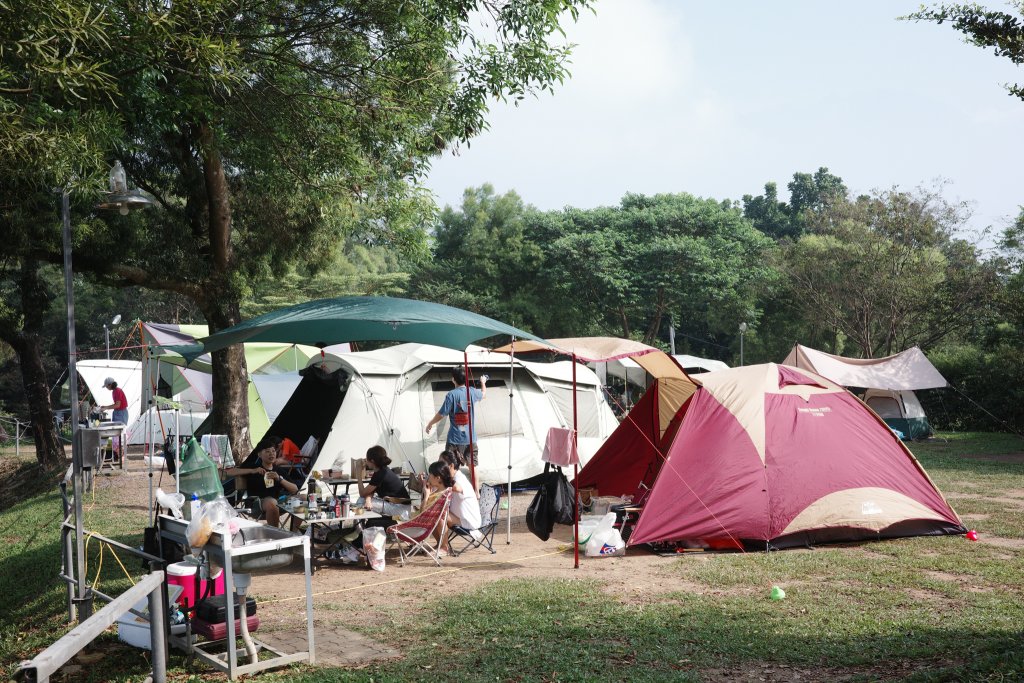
x: 227, y: 662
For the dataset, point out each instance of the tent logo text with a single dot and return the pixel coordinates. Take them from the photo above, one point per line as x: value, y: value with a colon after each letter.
x: 816, y: 412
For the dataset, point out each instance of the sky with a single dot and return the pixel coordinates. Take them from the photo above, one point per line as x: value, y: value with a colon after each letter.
x: 718, y: 98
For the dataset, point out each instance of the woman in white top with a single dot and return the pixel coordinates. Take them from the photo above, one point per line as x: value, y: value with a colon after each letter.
x: 465, y: 506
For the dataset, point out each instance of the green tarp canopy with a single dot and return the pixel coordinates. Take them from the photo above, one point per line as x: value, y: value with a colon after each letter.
x: 363, y: 318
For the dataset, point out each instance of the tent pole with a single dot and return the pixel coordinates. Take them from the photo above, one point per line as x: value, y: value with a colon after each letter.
x: 148, y: 431
x: 575, y: 473
x: 511, y: 392
x: 469, y: 411
x: 177, y: 452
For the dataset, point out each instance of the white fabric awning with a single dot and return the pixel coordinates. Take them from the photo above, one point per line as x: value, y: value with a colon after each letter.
x: 909, y: 370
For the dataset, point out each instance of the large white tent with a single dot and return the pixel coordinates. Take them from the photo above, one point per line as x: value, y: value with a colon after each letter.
x: 351, y: 401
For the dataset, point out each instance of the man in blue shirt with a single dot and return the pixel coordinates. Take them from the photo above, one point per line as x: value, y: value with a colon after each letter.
x: 456, y: 408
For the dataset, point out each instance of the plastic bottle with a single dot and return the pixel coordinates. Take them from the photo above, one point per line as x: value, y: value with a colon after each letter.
x: 344, y: 508
x: 194, y: 505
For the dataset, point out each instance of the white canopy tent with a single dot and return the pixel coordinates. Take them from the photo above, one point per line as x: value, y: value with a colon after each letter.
x: 391, y: 394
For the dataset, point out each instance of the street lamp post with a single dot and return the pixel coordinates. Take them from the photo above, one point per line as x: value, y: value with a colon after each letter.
x: 123, y: 200
x: 106, y: 332
x: 743, y: 332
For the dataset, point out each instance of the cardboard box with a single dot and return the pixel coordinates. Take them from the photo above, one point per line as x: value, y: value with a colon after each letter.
x: 356, y: 464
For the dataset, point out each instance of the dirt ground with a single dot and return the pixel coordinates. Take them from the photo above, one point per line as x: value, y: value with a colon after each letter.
x: 639, y: 577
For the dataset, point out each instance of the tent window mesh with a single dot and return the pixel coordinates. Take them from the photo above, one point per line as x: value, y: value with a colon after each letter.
x: 885, y: 406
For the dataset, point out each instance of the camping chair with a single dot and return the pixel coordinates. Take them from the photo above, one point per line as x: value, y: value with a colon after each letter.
x: 490, y: 501
x: 419, y: 530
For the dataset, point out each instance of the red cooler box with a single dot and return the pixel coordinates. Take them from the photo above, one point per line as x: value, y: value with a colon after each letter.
x: 184, y: 574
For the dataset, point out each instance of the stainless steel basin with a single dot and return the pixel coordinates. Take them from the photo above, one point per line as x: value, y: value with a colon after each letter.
x: 271, y: 556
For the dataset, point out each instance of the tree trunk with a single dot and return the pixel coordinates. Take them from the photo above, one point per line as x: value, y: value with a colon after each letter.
x: 24, y: 337
x: 230, y: 376
x: 49, y: 449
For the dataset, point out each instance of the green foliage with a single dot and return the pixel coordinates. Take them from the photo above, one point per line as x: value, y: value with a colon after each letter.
x: 1001, y: 31
x: 885, y: 273
x: 807, y: 193
x: 614, y: 270
x: 988, y: 386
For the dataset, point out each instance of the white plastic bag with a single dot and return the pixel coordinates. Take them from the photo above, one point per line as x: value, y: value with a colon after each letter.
x: 606, y: 541
x: 309, y: 448
x: 214, y: 515
x: 374, y: 539
x: 171, y: 501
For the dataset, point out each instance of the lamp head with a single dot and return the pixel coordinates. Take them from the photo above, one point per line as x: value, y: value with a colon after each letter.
x: 116, y: 320
x: 118, y: 180
x: 743, y: 327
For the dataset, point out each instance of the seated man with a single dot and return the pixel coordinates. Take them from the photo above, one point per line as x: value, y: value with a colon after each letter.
x: 263, y: 481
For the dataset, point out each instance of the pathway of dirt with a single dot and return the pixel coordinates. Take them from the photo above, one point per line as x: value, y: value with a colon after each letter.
x: 341, y: 593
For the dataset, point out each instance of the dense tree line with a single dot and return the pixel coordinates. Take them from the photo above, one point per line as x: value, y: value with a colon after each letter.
x: 285, y: 144
x: 268, y: 134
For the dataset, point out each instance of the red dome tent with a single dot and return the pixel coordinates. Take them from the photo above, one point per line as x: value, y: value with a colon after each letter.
x: 765, y: 456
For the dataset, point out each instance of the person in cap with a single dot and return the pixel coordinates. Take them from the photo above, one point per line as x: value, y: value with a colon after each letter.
x: 120, y: 404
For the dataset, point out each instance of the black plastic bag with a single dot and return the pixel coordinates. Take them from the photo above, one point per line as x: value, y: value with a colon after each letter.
x: 553, y: 504
x: 563, y: 495
x: 540, y: 515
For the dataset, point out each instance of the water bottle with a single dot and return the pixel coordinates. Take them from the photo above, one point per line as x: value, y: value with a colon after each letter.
x: 343, y: 506
x: 194, y: 506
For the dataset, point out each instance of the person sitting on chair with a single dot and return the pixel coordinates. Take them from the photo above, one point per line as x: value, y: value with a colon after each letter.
x: 384, y: 493
x: 287, y: 457
x: 263, y: 481
x: 437, y: 479
x: 464, y: 510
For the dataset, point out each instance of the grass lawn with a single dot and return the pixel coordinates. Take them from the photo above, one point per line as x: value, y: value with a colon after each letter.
x: 921, y: 609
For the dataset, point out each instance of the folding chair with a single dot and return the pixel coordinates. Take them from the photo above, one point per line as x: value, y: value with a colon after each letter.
x: 419, y: 530
x: 490, y: 501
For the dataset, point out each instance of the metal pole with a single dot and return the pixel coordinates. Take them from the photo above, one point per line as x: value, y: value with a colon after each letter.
x: 17, y: 439
x: 158, y: 634
x: 82, y: 596
x: 511, y: 393
x: 743, y: 333
x: 575, y: 473
x: 106, y: 336
x: 469, y: 410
